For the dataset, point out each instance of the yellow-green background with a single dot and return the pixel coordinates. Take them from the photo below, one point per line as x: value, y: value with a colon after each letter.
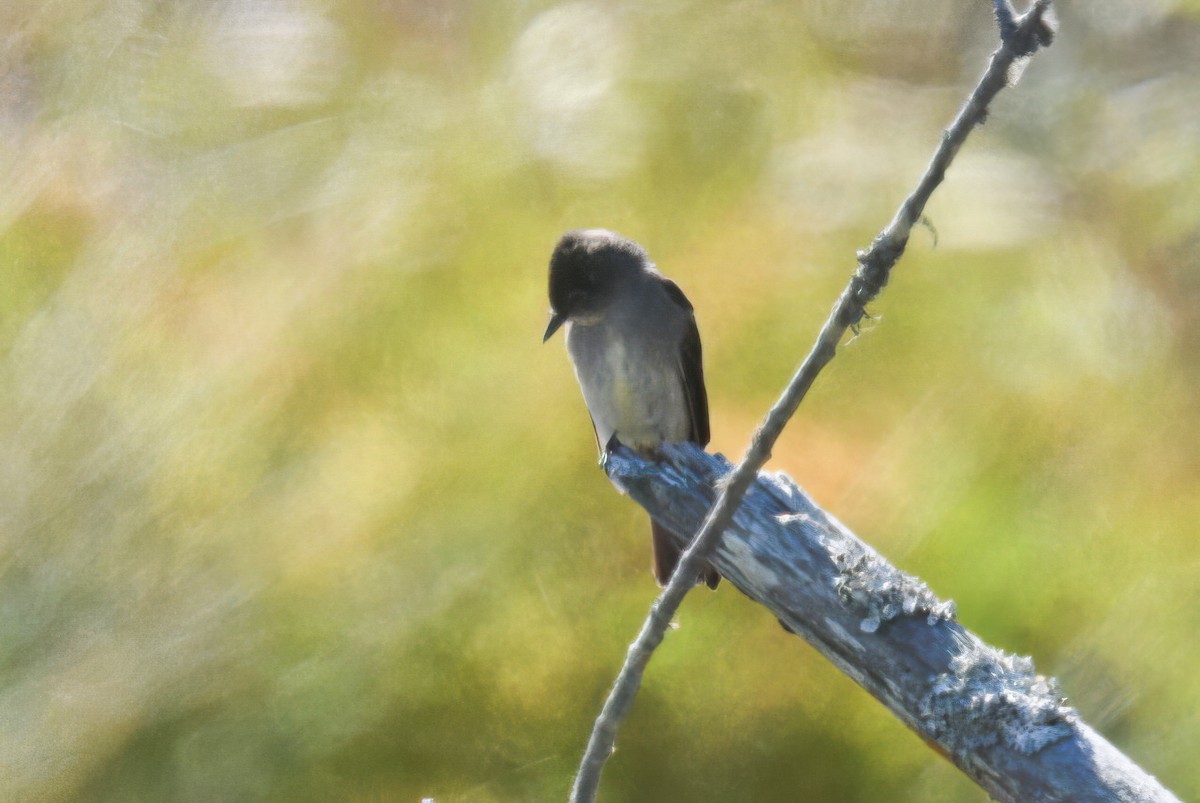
x: 295, y: 505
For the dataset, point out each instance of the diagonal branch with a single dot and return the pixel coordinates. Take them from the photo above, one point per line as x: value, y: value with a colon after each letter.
x: 1008, y: 728
x: 1020, y: 38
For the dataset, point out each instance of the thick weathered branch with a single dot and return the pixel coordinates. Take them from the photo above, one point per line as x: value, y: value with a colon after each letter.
x: 1004, y: 725
x: 1020, y: 38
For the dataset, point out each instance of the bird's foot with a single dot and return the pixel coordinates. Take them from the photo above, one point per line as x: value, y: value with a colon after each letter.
x: 610, y: 447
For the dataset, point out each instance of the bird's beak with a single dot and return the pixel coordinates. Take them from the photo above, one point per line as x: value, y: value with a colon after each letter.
x: 557, y: 319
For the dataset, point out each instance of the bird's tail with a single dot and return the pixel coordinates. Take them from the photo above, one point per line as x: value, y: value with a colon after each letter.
x: 666, y: 555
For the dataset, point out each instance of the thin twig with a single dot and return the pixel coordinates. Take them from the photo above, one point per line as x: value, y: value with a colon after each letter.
x: 1020, y: 38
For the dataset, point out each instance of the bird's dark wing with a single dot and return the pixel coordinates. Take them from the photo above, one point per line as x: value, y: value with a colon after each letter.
x: 691, y: 373
x: 691, y: 367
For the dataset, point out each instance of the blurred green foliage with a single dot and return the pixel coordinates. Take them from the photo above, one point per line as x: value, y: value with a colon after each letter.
x: 296, y: 506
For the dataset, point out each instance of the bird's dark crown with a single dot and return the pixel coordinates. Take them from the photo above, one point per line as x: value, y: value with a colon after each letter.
x: 587, y: 266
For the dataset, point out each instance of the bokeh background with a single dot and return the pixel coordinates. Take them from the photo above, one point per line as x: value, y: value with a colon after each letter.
x: 295, y: 505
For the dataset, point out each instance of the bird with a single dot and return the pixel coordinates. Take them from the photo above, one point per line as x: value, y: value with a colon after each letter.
x: 632, y: 338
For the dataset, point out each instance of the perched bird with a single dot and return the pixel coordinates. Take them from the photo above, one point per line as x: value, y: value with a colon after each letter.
x: 632, y: 338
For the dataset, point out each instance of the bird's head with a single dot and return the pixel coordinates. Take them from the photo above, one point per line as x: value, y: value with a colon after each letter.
x: 587, y: 268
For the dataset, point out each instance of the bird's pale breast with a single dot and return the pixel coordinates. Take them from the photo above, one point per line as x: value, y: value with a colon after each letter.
x: 631, y: 381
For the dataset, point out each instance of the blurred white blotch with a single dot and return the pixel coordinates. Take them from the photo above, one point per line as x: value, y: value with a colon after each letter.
x: 1147, y: 134
x: 566, y: 69
x: 274, y: 53
x: 994, y: 200
x: 373, y: 192
x: 1126, y: 17
x: 1083, y: 315
x: 835, y: 177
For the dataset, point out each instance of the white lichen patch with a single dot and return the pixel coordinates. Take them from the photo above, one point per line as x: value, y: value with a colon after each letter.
x: 784, y: 488
x: 843, y: 635
x: 800, y: 519
x: 872, y: 587
x: 990, y: 697
x: 741, y: 554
